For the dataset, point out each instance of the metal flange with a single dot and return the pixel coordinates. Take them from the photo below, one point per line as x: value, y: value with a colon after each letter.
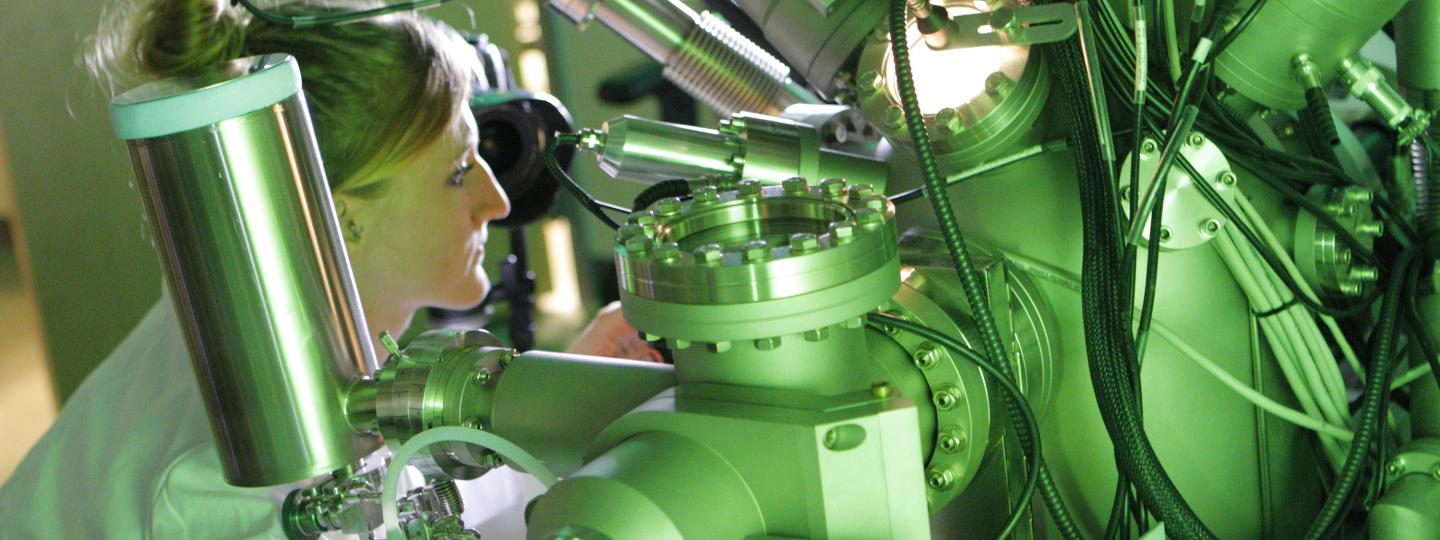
x: 1189, y: 219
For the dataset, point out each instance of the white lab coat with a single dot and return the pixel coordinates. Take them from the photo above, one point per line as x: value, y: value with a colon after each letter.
x: 132, y: 456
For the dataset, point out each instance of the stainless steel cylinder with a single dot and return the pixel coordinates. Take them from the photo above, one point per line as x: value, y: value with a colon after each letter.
x: 702, y: 54
x: 817, y: 41
x: 651, y: 151
x: 1258, y: 63
x: 1417, y: 52
x: 236, y: 196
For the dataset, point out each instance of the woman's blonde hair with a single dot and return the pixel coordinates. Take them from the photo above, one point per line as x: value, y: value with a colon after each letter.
x: 378, y: 89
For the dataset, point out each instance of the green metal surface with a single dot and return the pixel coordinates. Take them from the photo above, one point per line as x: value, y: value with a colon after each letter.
x: 254, y: 259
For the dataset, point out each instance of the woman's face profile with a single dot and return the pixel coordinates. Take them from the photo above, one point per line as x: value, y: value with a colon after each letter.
x: 422, y: 238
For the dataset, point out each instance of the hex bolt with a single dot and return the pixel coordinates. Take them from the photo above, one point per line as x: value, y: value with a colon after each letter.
x: 1149, y: 146
x: 1351, y: 288
x: 667, y: 252
x: 833, y: 187
x: 718, y: 347
x: 638, y: 245
x: 948, y: 120
x: 818, y: 334
x: 705, y: 195
x: 1373, y: 228
x: 842, y: 233
x: 869, y: 81
x: 1227, y: 178
x: 952, y: 440
x: 1195, y: 139
x: 939, y: 479
x: 709, y: 254
x: 1395, y: 467
x: 999, y: 85
x: 926, y: 355
x: 803, y: 243
x: 668, y: 207
x: 861, y: 191
x: 630, y: 230
x: 946, y: 398
x: 869, y: 217
x: 795, y: 186
x: 873, y: 201
x: 881, y: 389
x: 643, y: 219
x: 767, y: 344
x: 749, y: 189
x: 894, y: 117
x: 679, y: 344
x: 755, y: 251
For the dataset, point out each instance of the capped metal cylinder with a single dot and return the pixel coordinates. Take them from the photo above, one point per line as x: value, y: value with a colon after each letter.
x: 242, y: 217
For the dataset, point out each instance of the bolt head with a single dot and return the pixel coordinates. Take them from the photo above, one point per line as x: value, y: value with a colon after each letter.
x: 643, y: 219
x: 755, y: 250
x: 1227, y: 178
x: 705, y: 195
x: 1358, y: 195
x: 861, y: 191
x: 749, y: 188
x: 709, y: 254
x: 841, y: 233
x: 946, y: 398
x: 630, y: 230
x: 894, y: 117
x: 818, y: 334
x: 1372, y: 228
x: 952, y: 441
x: 948, y: 119
x: 803, y: 243
x: 882, y: 389
x: 833, y: 187
x: 668, y: 251
x: 668, y: 207
x: 1149, y: 146
x: 998, y: 84
x: 1210, y: 227
x: 1195, y: 139
x: 1165, y: 234
x: 939, y: 479
x: 795, y: 186
x: 718, y: 346
x: 767, y: 344
x: 869, y: 81
x: 483, y: 376
x: 1364, y: 274
x: 869, y: 217
x: 926, y: 355
x: 638, y: 245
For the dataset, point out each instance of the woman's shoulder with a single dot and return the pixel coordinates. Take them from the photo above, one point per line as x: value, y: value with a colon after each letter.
x: 136, y: 415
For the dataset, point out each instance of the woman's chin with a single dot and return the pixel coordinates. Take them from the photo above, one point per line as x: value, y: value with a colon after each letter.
x: 466, y: 295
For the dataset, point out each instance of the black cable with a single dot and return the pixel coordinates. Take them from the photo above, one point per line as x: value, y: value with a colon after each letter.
x: 1317, y: 126
x: 664, y: 189
x: 596, y: 208
x: 1022, y: 418
x: 1240, y: 26
x: 1420, y: 331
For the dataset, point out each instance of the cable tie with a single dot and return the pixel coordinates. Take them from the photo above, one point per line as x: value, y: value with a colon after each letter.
x: 1202, y: 50
x: 1292, y: 302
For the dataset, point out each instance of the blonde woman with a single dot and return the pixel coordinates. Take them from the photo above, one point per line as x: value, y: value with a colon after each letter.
x: 131, y: 455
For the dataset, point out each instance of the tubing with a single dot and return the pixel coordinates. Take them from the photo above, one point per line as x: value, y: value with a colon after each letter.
x: 934, y: 189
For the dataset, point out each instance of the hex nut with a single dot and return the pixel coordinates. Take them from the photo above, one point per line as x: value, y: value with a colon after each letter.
x: 718, y: 346
x: 940, y: 479
x: 767, y: 344
x: 952, y: 440
x: 1227, y: 178
x: 667, y: 252
x: 668, y: 206
x: 833, y: 187
x: 638, y: 245
x: 842, y: 233
x: 869, y: 217
x: 861, y: 191
x: 803, y: 243
x: 749, y: 189
x: 894, y: 117
x: 755, y: 250
x: 818, y: 334
x: 705, y: 195
x: 926, y: 355
x: 643, y: 219
x: 795, y: 186
x: 709, y: 254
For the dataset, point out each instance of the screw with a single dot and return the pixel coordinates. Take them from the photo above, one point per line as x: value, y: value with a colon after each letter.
x: 795, y: 186
x: 841, y: 232
x: 833, y: 187
x: 946, y: 398
x: 1149, y: 146
x: 1394, y: 468
x: 869, y: 81
x: 803, y: 243
x: 948, y: 120
x: 718, y: 347
x: 705, y: 195
x: 861, y: 191
x: 818, y: 334
x: 755, y: 250
x: 709, y: 254
x: 643, y: 219
x: 998, y: 85
x: 668, y: 207
x: 952, y: 440
x: 894, y: 117
x: 1195, y: 139
x: 638, y: 245
x: 482, y: 377
x: 767, y: 344
x: 667, y: 252
x: 1210, y: 227
x: 939, y: 479
x: 881, y: 389
x: 749, y: 189
x: 926, y: 355
x: 1164, y: 234
x: 1358, y: 195
x: 869, y: 217
x: 1227, y: 178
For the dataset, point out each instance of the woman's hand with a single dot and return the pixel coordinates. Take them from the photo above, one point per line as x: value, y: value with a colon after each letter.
x: 610, y: 335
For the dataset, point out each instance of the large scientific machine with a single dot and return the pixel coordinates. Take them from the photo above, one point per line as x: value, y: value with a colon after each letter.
x: 1173, y: 276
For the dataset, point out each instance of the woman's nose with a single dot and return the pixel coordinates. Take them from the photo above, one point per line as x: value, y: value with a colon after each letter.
x: 492, y: 204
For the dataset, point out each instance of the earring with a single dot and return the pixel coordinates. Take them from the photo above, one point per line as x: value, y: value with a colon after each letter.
x: 350, y: 225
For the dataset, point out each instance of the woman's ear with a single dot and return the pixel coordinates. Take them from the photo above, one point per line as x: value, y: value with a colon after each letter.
x: 348, y: 211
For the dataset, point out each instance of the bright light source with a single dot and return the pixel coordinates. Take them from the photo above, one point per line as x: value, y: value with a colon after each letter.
x: 952, y: 78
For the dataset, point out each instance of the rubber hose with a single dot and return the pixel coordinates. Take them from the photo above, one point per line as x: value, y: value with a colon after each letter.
x: 661, y: 190
x: 1106, y: 320
x: 1367, y: 421
x: 1318, y: 127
